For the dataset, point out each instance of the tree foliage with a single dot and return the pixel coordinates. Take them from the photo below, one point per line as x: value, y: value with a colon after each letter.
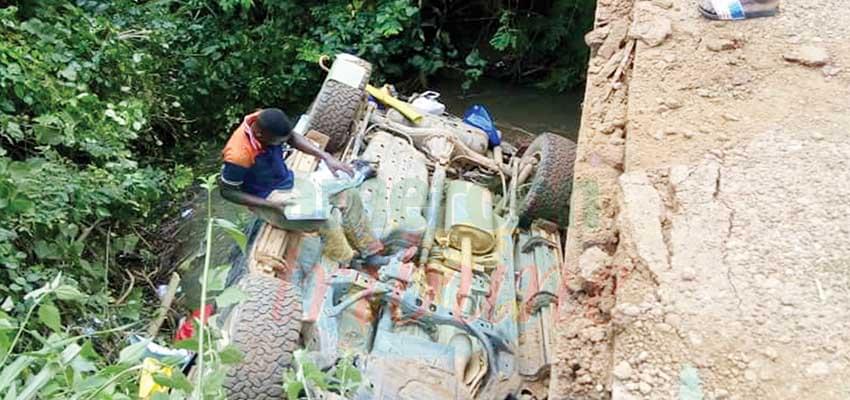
x: 523, y: 40
x: 105, y: 104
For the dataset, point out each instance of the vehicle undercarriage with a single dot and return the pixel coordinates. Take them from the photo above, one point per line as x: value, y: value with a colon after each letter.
x: 469, y: 315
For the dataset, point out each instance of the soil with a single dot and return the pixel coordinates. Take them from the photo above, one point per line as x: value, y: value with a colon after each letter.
x: 707, y: 253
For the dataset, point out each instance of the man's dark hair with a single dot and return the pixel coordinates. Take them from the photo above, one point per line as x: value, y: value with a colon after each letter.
x: 274, y: 122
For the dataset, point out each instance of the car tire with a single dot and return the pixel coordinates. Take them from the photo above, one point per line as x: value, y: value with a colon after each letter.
x: 547, y: 192
x: 335, y: 107
x: 266, y: 327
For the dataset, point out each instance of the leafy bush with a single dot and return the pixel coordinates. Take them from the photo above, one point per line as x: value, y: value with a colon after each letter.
x: 526, y: 41
x: 75, y: 109
x: 305, y: 380
x: 63, y: 366
x: 100, y: 99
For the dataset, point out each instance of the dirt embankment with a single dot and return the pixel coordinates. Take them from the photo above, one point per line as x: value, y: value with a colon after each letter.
x: 707, y: 255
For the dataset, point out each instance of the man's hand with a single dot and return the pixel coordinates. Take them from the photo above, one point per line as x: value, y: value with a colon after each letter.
x: 335, y: 165
x: 300, y: 143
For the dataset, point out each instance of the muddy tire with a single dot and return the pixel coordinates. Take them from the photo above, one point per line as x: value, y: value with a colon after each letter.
x: 546, y: 193
x: 266, y: 327
x: 335, y: 107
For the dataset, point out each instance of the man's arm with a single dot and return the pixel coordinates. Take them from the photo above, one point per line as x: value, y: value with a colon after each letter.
x: 302, y: 144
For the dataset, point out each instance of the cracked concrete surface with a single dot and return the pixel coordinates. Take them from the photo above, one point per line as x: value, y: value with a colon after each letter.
x: 641, y: 214
x: 723, y: 233
x: 758, y: 269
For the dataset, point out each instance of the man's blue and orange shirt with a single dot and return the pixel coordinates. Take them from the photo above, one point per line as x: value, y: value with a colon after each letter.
x: 256, y: 169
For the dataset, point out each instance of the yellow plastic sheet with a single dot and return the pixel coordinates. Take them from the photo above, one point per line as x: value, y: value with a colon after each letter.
x: 147, y: 386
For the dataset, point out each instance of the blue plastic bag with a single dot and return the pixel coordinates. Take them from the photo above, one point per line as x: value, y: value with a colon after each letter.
x: 479, y: 117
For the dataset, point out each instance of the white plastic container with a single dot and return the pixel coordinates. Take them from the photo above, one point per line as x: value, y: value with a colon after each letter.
x: 427, y: 103
x: 302, y: 125
x: 349, y: 70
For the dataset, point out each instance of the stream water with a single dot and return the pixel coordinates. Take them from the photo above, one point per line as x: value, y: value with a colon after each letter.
x: 518, y: 110
x: 520, y: 113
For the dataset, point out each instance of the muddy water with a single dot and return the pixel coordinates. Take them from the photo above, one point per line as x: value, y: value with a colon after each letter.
x: 518, y: 110
x: 520, y: 113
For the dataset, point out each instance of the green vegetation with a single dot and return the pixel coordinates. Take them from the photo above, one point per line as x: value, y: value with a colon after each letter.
x: 68, y: 366
x: 305, y: 379
x: 107, y: 109
x: 525, y: 41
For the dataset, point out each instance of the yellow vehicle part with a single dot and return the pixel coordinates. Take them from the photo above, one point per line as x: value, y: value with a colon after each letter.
x: 452, y: 258
x: 383, y: 95
x: 469, y: 217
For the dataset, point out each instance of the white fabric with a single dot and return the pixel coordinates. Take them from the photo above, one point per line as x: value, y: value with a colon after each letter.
x: 311, y: 193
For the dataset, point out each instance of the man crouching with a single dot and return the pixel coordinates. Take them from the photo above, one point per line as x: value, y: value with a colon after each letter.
x: 254, y: 170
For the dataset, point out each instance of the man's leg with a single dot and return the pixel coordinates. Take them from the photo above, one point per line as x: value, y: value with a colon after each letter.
x: 335, y: 244
x: 355, y: 224
x: 347, y: 227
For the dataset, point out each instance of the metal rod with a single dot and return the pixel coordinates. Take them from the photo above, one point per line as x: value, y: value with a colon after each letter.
x: 358, y: 139
x: 514, y: 185
x: 465, y: 288
x: 162, y: 311
x: 435, y: 198
x: 524, y: 173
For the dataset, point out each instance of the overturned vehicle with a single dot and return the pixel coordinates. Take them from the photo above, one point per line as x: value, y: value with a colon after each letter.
x: 469, y: 315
